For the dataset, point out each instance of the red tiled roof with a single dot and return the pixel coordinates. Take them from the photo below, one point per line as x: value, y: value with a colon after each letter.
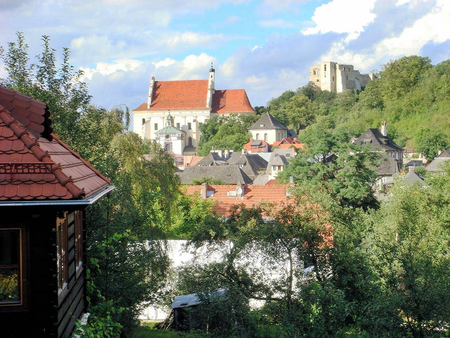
x: 189, y: 94
x: 191, y: 160
x: 262, y: 148
x: 35, y: 164
x: 253, y: 195
x: 231, y: 101
x: 192, y: 94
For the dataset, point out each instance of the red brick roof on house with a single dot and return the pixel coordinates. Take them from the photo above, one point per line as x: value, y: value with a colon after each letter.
x: 253, y: 195
x: 34, y: 163
x: 192, y: 94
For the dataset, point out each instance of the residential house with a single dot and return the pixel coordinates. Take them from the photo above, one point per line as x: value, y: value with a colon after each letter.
x: 268, y: 129
x: 436, y: 165
x: 190, y: 103
x: 44, y: 189
x: 226, y: 174
x: 279, y: 159
x: 288, y: 142
x: 228, y: 196
x: 378, y: 141
x: 257, y: 146
x: 252, y: 164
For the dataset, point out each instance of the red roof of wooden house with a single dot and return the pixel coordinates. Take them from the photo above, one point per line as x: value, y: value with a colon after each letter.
x: 34, y: 164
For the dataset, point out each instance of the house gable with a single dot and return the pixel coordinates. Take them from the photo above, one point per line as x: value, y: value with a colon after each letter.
x: 44, y: 187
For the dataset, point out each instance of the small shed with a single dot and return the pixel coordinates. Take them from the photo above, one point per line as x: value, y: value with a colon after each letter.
x: 44, y: 189
x: 188, y: 314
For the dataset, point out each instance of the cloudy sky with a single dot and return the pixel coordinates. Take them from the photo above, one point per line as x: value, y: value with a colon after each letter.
x: 265, y: 47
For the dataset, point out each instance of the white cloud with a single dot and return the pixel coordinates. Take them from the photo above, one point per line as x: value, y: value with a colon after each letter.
x: 175, y: 40
x: 194, y: 67
x: 164, y: 63
x: 105, y: 68
x: 402, y: 2
x: 433, y: 27
x: 339, y: 53
x: 342, y: 16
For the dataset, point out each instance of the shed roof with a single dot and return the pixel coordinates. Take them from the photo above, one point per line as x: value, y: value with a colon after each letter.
x: 34, y: 164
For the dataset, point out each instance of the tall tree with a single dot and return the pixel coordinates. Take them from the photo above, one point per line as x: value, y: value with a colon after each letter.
x: 409, y: 251
x: 336, y: 165
x: 60, y: 88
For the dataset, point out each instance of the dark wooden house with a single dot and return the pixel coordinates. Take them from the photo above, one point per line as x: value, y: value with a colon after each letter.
x: 44, y: 189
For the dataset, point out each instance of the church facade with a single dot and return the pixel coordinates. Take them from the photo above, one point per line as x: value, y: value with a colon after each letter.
x: 189, y: 103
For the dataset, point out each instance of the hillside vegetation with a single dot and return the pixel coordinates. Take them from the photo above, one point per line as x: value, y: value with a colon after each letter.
x: 410, y: 94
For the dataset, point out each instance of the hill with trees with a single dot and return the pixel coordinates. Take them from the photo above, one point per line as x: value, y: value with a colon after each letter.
x: 410, y: 94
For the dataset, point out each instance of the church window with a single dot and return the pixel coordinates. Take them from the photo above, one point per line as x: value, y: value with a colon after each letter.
x: 189, y: 126
x: 156, y: 126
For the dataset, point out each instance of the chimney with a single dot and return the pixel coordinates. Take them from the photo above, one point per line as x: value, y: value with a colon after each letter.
x: 240, y: 191
x: 150, y: 92
x: 204, y: 190
x: 211, y: 86
x: 383, y: 128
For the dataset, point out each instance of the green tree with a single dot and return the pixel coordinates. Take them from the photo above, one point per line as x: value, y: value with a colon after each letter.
x: 298, y: 111
x: 225, y: 133
x: 330, y: 162
x: 409, y: 249
x: 430, y: 142
x: 400, y: 76
x: 126, y: 231
x: 60, y: 88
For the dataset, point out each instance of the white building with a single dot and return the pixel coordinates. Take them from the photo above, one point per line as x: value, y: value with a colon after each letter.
x: 268, y: 129
x: 336, y: 77
x: 190, y: 103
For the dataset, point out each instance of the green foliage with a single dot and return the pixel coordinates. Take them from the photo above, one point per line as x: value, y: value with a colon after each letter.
x: 9, y: 287
x: 337, y: 166
x: 409, y: 93
x: 60, y: 88
x: 127, y: 230
x: 430, y: 142
x: 226, y: 133
x: 402, y: 75
x: 100, y: 323
x: 409, y: 249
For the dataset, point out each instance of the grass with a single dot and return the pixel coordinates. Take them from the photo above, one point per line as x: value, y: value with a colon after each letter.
x: 147, y: 330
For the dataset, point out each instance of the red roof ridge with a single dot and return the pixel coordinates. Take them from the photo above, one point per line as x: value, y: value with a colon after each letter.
x: 42, y: 156
x: 33, y: 115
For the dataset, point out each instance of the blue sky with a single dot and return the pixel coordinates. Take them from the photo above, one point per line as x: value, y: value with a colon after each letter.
x: 265, y: 47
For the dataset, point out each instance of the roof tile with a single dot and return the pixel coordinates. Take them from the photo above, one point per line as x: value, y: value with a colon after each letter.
x: 192, y: 94
x: 31, y: 157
